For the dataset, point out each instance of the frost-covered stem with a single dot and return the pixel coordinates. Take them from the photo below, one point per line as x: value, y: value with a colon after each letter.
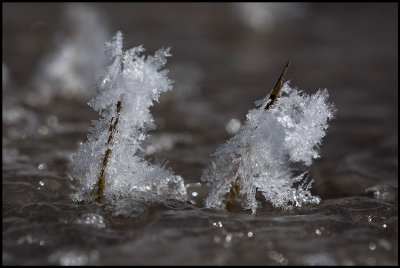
x: 234, y: 190
x: 102, y: 179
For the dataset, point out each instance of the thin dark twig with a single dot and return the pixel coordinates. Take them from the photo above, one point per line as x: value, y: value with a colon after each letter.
x: 113, y: 126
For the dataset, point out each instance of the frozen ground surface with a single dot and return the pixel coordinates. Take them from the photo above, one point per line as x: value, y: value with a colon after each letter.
x: 222, y: 62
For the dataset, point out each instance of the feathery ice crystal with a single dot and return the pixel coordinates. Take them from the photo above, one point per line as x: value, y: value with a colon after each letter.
x: 260, y: 156
x: 71, y: 68
x: 111, y: 162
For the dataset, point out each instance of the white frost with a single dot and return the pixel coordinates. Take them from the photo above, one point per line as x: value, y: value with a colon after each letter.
x: 260, y: 156
x: 136, y: 81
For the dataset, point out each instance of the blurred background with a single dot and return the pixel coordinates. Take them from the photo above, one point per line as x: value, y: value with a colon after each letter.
x: 225, y: 56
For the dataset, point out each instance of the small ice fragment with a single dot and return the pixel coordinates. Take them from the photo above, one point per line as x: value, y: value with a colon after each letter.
x: 318, y: 232
x: 41, y: 183
x: 194, y: 194
x: 250, y: 234
x: 217, y: 224
x: 369, y: 218
x: 41, y: 242
x: 233, y: 126
x: 42, y: 166
x: 384, y: 225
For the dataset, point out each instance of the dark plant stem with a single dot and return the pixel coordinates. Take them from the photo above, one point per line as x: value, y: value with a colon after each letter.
x: 113, y: 126
x: 102, y: 179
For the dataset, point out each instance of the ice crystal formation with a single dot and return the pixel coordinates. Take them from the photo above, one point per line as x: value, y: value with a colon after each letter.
x: 110, y: 164
x: 261, y: 156
x: 69, y: 70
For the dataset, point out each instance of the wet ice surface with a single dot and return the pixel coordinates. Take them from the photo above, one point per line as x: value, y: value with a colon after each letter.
x: 357, y: 220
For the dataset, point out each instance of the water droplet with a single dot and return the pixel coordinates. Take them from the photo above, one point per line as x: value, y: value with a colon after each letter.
x: 372, y: 246
x: 194, y: 194
x: 318, y: 232
x: 42, y: 166
x: 41, y: 243
x: 250, y: 234
x: 92, y: 219
x: 41, y: 183
x: 369, y: 218
x: 228, y: 238
x: 384, y: 225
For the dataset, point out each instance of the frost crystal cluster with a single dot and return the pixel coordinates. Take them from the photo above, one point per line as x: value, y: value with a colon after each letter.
x: 261, y: 156
x: 71, y: 68
x: 111, y: 162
